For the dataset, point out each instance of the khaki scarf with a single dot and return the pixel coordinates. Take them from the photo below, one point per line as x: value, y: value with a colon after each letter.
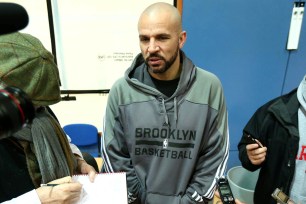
x: 46, y: 148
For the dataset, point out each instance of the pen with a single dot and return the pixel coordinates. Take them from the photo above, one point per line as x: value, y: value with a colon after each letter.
x: 49, y: 184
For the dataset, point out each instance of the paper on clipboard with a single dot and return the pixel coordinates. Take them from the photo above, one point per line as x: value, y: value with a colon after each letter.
x: 107, y: 188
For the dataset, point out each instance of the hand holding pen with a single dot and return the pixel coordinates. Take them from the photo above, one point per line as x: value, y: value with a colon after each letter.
x: 62, y: 190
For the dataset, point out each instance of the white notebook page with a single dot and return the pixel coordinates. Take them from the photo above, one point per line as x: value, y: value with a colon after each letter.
x: 107, y: 188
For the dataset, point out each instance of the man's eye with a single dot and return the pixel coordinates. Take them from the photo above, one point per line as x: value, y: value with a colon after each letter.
x: 143, y: 39
x: 163, y: 38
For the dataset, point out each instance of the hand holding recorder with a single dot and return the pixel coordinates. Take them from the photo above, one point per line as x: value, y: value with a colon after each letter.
x: 256, y: 151
x: 224, y: 193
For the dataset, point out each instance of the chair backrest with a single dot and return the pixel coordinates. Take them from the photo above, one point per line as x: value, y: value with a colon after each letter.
x: 84, y: 136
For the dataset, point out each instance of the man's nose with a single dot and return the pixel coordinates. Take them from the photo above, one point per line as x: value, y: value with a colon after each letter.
x: 153, y: 46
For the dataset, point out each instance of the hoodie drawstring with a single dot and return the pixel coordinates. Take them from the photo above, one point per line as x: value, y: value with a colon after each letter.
x: 165, y: 112
x: 175, y: 111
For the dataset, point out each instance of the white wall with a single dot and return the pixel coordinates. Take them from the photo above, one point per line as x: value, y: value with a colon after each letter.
x: 88, y: 108
x: 38, y: 25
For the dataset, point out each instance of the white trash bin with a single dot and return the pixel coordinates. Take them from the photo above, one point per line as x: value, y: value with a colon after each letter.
x: 242, y: 183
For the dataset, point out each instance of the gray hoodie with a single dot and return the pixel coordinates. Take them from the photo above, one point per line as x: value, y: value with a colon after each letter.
x: 297, y: 191
x: 172, y: 148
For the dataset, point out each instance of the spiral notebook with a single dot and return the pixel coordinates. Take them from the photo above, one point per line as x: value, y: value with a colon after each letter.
x: 107, y: 188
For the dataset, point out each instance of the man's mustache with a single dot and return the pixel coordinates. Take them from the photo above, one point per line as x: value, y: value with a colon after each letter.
x: 155, y: 56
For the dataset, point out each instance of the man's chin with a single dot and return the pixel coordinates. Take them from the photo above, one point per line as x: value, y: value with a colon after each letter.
x: 157, y: 70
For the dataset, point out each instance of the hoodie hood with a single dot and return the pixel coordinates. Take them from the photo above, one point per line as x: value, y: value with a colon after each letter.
x: 138, y: 76
x: 301, y: 93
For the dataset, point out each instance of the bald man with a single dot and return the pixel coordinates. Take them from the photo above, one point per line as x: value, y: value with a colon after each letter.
x: 166, y: 119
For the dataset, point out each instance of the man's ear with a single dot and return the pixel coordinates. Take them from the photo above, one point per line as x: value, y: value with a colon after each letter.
x: 182, y: 38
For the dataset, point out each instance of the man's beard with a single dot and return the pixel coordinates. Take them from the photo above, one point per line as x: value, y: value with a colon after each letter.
x: 167, y: 64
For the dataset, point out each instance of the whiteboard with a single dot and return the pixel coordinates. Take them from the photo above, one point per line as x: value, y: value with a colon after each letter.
x: 96, y: 40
